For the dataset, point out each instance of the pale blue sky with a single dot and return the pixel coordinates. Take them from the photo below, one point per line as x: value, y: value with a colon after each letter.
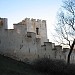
x: 17, y: 10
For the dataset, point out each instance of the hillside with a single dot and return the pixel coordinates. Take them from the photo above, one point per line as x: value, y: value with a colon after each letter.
x: 44, y: 66
x: 9, y: 66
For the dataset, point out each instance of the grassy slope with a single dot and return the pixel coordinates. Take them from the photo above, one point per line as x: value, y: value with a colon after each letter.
x: 9, y: 66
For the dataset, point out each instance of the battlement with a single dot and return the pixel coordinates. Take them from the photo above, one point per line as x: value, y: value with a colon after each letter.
x: 44, y: 21
x: 58, y: 47
x: 33, y: 19
x: 65, y: 49
x: 28, y: 20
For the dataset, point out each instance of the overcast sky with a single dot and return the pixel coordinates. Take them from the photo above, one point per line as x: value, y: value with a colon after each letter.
x: 17, y: 10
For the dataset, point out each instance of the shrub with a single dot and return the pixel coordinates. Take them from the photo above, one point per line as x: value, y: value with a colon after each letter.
x: 46, y: 65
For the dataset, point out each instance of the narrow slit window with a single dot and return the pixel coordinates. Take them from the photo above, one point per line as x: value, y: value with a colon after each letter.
x: 29, y: 50
x: 0, y: 41
x: 37, y: 31
x: 38, y: 56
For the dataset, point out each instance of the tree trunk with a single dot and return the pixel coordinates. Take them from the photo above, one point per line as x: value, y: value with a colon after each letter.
x: 71, y: 49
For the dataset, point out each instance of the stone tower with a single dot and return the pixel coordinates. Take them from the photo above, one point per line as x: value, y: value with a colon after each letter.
x: 3, y: 23
x: 36, y: 26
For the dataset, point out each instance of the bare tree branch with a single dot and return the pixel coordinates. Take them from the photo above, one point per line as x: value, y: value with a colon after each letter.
x: 66, y: 25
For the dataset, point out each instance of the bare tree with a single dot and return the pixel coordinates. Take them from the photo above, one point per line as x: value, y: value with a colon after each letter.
x: 65, y: 27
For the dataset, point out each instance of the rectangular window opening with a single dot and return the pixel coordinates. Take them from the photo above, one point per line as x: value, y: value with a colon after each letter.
x: 37, y: 31
x: 29, y: 50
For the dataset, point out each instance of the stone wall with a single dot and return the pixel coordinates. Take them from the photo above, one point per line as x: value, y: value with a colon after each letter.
x: 18, y: 43
x: 24, y: 43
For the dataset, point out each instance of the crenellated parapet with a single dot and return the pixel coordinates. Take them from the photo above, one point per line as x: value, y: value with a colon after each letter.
x: 28, y: 20
x: 58, y: 47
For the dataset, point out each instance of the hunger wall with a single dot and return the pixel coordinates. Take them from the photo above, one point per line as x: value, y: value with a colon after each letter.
x: 18, y: 43
x: 28, y: 41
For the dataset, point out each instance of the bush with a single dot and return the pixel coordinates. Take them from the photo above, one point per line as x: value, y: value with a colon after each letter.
x: 54, y: 67
x: 70, y: 69
x: 46, y: 65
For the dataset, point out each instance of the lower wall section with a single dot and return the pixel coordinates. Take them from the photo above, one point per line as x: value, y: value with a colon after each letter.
x: 27, y: 47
